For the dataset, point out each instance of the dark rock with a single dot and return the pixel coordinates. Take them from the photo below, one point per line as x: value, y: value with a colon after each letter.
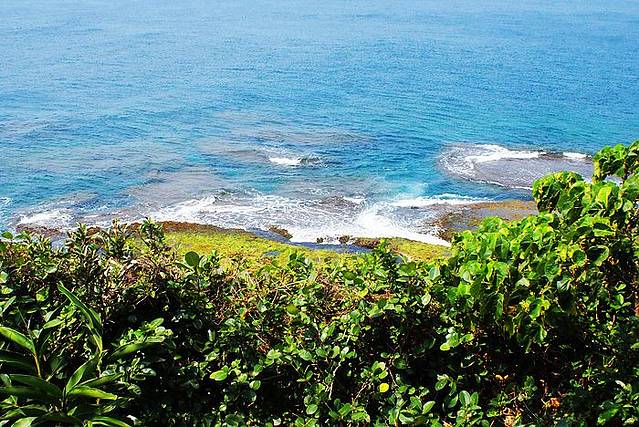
x: 344, y: 239
x: 366, y: 242
x: 281, y: 231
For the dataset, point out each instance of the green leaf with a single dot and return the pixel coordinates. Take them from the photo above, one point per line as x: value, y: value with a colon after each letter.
x: 360, y: 415
x: 108, y: 421
x: 292, y: 309
x: 219, y: 375
x: 345, y: 409
x: 464, y: 397
x: 192, y: 259
x: 87, y: 368
x: 406, y: 419
x: 37, y: 384
x: 18, y: 338
x: 601, y: 254
x: 28, y: 392
x: 426, y: 298
x: 132, y: 348
x: 84, y: 391
x: 92, y: 318
x: 52, y: 323
x: 606, y: 415
x: 383, y: 387
x: 311, y: 409
x: 103, y: 380
x: 24, y: 422
x: 16, y: 360
x: 603, y: 195
x: 428, y: 406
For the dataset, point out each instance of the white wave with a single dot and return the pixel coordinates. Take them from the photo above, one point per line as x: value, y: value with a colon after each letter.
x: 56, y: 218
x: 510, y: 168
x: 306, y: 220
x: 575, y: 156
x: 286, y: 161
x: 464, y: 159
x: 372, y: 224
x: 356, y: 200
x: 493, y: 153
x: 443, y: 199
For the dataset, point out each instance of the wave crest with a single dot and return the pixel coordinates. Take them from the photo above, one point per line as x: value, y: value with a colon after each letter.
x: 517, y: 169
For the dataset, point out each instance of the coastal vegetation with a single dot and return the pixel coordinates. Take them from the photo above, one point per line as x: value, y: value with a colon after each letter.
x: 234, y: 244
x: 534, y: 321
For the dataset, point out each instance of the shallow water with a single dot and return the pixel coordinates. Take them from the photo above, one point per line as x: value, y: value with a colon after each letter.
x: 354, y: 117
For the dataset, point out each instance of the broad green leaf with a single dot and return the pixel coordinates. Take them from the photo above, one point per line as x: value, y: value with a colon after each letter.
x: 219, y: 375
x: 292, y: 309
x: 426, y: 298
x: 52, y: 323
x: 383, y: 387
x: 24, y: 422
x: 192, y: 259
x: 464, y: 398
x: 428, y: 406
x: 311, y: 409
x: 607, y: 415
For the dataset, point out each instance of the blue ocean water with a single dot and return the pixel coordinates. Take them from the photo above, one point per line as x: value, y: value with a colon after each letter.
x: 328, y: 118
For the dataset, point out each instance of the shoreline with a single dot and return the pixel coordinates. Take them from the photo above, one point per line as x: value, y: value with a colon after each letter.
x: 236, y: 241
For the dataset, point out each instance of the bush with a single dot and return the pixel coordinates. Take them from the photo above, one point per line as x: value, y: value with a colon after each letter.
x: 530, y: 322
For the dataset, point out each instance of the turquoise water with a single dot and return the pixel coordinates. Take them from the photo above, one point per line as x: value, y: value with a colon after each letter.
x: 329, y: 118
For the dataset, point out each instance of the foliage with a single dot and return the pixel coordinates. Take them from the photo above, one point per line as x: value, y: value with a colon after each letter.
x: 529, y: 322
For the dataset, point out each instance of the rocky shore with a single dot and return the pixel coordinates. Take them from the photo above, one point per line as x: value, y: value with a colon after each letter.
x: 451, y: 220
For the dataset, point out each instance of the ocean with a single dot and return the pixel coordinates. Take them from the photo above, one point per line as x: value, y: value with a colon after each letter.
x: 340, y: 117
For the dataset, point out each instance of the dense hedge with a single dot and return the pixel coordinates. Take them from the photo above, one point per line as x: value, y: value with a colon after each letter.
x: 529, y: 322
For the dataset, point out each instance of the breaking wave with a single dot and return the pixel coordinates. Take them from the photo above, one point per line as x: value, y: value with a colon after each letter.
x: 518, y: 169
x: 316, y: 220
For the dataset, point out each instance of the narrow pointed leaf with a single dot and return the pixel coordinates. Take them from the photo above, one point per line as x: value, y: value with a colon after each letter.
x: 84, y: 391
x: 16, y: 360
x: 108, y: 421
x: 28, y: 392
x: 91, y: 316
x: 38, y: 384
x: 106, y: 379
x: 132, y: 348
x: 87, y: 368
x: 17, y: 338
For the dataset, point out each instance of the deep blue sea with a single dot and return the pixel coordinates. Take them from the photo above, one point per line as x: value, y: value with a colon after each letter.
x: 325, y: 118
